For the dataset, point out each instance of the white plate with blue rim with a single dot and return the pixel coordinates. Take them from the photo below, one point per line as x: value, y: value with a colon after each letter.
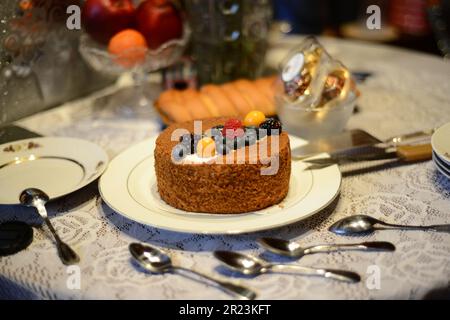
x: 128, y: 186
x: 440, y: 142
x: 56, y: 165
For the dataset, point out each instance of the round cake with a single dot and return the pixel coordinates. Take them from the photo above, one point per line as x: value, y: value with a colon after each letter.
x: 236, y: 177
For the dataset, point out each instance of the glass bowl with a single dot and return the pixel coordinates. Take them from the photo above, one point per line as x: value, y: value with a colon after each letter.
x: 313, y: 123
x: 134, y: 101
x: 98, y: 57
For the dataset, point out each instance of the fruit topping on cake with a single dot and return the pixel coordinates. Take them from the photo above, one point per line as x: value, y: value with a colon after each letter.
x: 272, y: 126
x: 206, y: 147
x: 222, y: 139
x: 254, y: 118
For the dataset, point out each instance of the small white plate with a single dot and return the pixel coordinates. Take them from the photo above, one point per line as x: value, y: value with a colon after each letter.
x: 58, y: 166
x: 128, y: 186
x: 440, y: 141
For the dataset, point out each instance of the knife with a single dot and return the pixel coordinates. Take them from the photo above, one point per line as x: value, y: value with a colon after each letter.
x: 354, y: 140
x: 407, y: 153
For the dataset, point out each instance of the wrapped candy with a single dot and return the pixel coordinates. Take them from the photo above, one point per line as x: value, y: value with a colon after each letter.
x: 312, y: 89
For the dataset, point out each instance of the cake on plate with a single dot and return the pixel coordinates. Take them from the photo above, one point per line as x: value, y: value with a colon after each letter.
x: 223, y: 165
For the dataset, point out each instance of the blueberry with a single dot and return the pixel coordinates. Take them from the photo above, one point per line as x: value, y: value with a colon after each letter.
x: 195, y: 138
x: 273, y: 126
x: 222, y: 148
x: 236, y: 142
x: 185, y: 139
x: 179, y: 152
x: 250, y: 139
x: 215, y: 133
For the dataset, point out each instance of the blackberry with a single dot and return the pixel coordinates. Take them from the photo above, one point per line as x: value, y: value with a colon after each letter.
x: 273, y: 126
x: 179, y: 152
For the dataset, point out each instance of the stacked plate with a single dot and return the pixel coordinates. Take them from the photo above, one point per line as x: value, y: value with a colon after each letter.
x: 440, y: 141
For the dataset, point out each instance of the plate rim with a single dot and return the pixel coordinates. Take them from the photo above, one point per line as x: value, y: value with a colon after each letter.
x: 441, y: 169
x: 206, y: 232
x: 435, y: 147
x: 84, y: 182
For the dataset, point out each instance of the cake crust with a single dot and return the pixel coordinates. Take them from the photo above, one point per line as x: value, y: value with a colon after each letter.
x: 220, y: 188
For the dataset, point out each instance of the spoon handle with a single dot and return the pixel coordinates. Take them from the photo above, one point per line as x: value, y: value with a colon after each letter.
x: 240, y: 291
x: 66, y: 253
x: 340, y: 275
x: 436, y: 227
x: 364, y: 246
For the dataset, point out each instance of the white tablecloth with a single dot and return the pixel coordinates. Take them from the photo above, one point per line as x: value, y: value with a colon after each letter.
x: 409, y: 91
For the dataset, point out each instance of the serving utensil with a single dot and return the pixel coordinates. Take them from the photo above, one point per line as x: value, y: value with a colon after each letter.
x: 37, y: 198
x: 361, y: 224
x: 294, y: 250
x: 354, y: 141
x: 401, y: 153
x: 155, y: 260
x: 250, y: 265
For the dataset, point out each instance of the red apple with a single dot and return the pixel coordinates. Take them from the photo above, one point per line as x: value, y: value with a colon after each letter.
x: 104, y: 18
x: 159, y: 22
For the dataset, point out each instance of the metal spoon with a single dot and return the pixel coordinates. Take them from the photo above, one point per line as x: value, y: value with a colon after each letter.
x: 293, y: 249
x: 156, y: 261
x: 360, y: 224
x: 250, y: 265
x: 33, y: 197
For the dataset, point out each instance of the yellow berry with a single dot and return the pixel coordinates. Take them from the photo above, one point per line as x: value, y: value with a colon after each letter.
x: 206, y: 147
x: 254, y: 118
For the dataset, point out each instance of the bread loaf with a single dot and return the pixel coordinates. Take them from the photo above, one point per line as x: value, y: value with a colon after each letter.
x: 235, y: 98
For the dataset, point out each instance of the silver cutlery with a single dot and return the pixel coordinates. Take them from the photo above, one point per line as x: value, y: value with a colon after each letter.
x: 402, y: 153
x: 157, y: 261
x: 294, y: 250
x: 356, y: 141
x: 37, y: 198
x: 362, y: 224
x: 250, y: 265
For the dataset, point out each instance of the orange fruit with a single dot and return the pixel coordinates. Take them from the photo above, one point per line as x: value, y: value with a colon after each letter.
x: 254, y: 118
x: 128, y: 47
x: 206, y: 148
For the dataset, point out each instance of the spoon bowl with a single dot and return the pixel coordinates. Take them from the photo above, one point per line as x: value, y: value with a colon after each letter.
x: 294, y: 250
x: 30, y: 195
x: 150, y: 258
x: 356, y: 224
x: 245, y: 264
x: 157, y: 261
x: 362, y: 224
x: 250, y: 265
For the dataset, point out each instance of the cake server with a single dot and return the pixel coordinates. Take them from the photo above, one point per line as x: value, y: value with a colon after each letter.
x: 354, y: 141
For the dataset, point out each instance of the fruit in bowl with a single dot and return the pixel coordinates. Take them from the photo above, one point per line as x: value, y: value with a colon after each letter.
x: 128, y: 48
x: 159, y: 21
x: 104, y: 18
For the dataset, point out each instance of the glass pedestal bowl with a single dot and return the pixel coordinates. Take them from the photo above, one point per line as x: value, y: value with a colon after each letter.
x: 135, y: 100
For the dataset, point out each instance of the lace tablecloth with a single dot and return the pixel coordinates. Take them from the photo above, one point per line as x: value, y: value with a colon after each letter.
x: 408, y: 92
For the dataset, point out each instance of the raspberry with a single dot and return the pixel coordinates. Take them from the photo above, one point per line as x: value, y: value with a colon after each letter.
x: 233, y: 128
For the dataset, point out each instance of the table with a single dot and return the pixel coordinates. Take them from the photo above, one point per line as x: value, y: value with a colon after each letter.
x: 409, y: 91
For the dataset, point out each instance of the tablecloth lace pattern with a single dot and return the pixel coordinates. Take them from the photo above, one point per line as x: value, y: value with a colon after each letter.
x: 398, y: 99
